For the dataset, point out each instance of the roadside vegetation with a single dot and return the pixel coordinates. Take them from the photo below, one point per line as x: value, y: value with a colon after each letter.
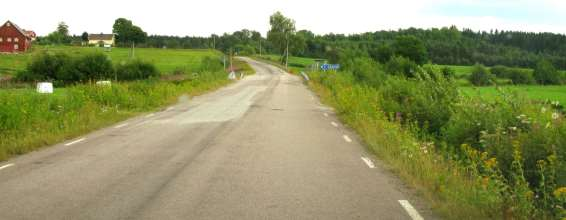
x: 29, y: 120
x: 473, y: 157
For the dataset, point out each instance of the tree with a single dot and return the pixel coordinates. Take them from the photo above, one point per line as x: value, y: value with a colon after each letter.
x: 410, y: 47
x: 546, y: 74
x: 282, y: 28
x: 481, y: 76
x: 60, y: 35
x: 84, y: 37
x: 63, y: 29
x: 126, y: 32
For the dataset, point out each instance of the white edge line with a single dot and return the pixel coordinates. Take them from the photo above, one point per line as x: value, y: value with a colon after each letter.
x: 347, y: 138
x: 6, y: 166
x: 410, y: 210
x: 74, y: 142
x: 122, y: 125
x: 334, y: 124
x: 170, y: 108
x: 368, y: 162
x: 149, y: 116
x: 325, y: 114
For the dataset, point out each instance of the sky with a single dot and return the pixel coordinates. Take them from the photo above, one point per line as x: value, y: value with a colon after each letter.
x: 206, y: 17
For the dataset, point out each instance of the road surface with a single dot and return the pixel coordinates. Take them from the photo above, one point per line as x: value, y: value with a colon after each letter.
x: 261, y: 148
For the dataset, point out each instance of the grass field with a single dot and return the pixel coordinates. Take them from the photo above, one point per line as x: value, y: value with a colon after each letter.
x: 296, y: 64
x: 166, y: 60
x: 536, y: 92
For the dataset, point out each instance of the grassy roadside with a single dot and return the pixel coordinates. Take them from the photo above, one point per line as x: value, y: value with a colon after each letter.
x: 451, y: 190
x: 29, y: 120
x: 296, y: 64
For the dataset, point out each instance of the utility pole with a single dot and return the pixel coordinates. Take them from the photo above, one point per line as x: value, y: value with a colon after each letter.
x: 231, y: 66
x: 214, y: 42
x: 287, y: 59
x: 260, y: 46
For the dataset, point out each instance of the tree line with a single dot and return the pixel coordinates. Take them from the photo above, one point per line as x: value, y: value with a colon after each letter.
x: 447, y: 45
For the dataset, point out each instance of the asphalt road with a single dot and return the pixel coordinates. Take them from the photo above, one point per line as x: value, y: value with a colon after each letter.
x: 262, y: 148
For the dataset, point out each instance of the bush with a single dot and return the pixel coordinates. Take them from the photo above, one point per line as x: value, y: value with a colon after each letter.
x: 210, y: 64
x: 448, y: 72
x: 44, y: 66
x: 65, y: 69
x: 481, y: 76
x: 519, y: 77
x: 427, y: 100
x: 500, y: 71
x: 546, y: 74
x: 368, y: 72
x: 401, y: 66
x: 135, y: 70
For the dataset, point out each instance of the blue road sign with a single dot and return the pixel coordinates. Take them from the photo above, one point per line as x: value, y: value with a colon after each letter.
x: 327, y: 66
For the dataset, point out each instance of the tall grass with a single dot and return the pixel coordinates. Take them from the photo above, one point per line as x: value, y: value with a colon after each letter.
x: 29, y: 120
x: 470, y: 158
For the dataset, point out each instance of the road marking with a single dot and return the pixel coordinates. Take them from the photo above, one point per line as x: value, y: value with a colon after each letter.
x: 74, y: 142
x: 334, y: 124
x: 368, y: 162
x: 325, y: 114
x: 410, y: 210
x: 347, y: 138
x: 170, y: 108
x: 149, y: 116
x: 122, y: 125
x: 6, y: 166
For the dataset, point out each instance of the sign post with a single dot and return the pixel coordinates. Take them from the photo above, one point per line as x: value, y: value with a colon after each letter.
x: 327, y: 66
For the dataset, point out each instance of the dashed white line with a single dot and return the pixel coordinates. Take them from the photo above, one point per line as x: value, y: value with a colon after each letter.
x: 170, y: 108
x: 122, y: 125
x: 368, y: 162
x: 74, y: 142
x: 325, y: 114
x: 346, y: 138
x: 6, y: 166
x: 150, y: 115
x: 410, y: 210
x: 334, y: 124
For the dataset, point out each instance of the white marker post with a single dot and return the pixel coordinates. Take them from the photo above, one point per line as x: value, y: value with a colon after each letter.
x: 45, y: 87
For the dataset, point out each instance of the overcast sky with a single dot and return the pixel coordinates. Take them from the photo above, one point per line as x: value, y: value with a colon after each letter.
x: 204, y: 17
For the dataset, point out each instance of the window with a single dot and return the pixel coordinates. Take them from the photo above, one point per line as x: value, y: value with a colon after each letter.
x: 8, y: 24
x: 16, y: 39
x: 9, y: 39
x: 1, y: 39
x: 16, y: 47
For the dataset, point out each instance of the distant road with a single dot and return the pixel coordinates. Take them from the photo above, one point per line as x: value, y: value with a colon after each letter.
x: 262, y: 148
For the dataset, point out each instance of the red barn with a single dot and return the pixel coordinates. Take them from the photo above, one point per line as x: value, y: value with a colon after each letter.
x: 13, y: 39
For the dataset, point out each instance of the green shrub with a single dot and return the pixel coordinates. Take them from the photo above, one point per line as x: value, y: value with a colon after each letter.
x: 401, y: 66
x: 426, y: 100
x: 521, y: 77
x: 92, y: 67
x: 448, y: 72
x: 368, y: 72
x: 211, y: 64
x: 500, y: 71
x: 136, y: 70
x: 45, y: 66
x: 546, y: 74
x: 481, y: 76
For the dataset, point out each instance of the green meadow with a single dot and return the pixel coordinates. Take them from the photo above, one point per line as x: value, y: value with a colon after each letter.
x: 166, y: 60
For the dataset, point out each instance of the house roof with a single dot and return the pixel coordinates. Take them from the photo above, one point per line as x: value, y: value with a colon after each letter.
x: 17, y: 28
x: 100, y: 36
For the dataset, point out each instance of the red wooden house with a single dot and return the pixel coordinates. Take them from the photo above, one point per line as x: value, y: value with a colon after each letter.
x: 13, y: 39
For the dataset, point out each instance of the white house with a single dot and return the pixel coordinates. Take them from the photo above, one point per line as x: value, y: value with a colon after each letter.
x: 101, y: 39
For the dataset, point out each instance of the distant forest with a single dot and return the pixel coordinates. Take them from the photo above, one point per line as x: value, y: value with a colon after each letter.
x: 447, y: 45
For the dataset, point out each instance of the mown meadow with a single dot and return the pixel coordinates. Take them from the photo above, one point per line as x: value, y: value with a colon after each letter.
x: 29, y: 120
x: 471, y: 157
x: 165, y: 60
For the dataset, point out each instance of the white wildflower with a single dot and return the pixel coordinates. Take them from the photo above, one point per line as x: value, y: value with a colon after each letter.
x: 513, y: 128
x: 555, y: 115
x: 543, y: 110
